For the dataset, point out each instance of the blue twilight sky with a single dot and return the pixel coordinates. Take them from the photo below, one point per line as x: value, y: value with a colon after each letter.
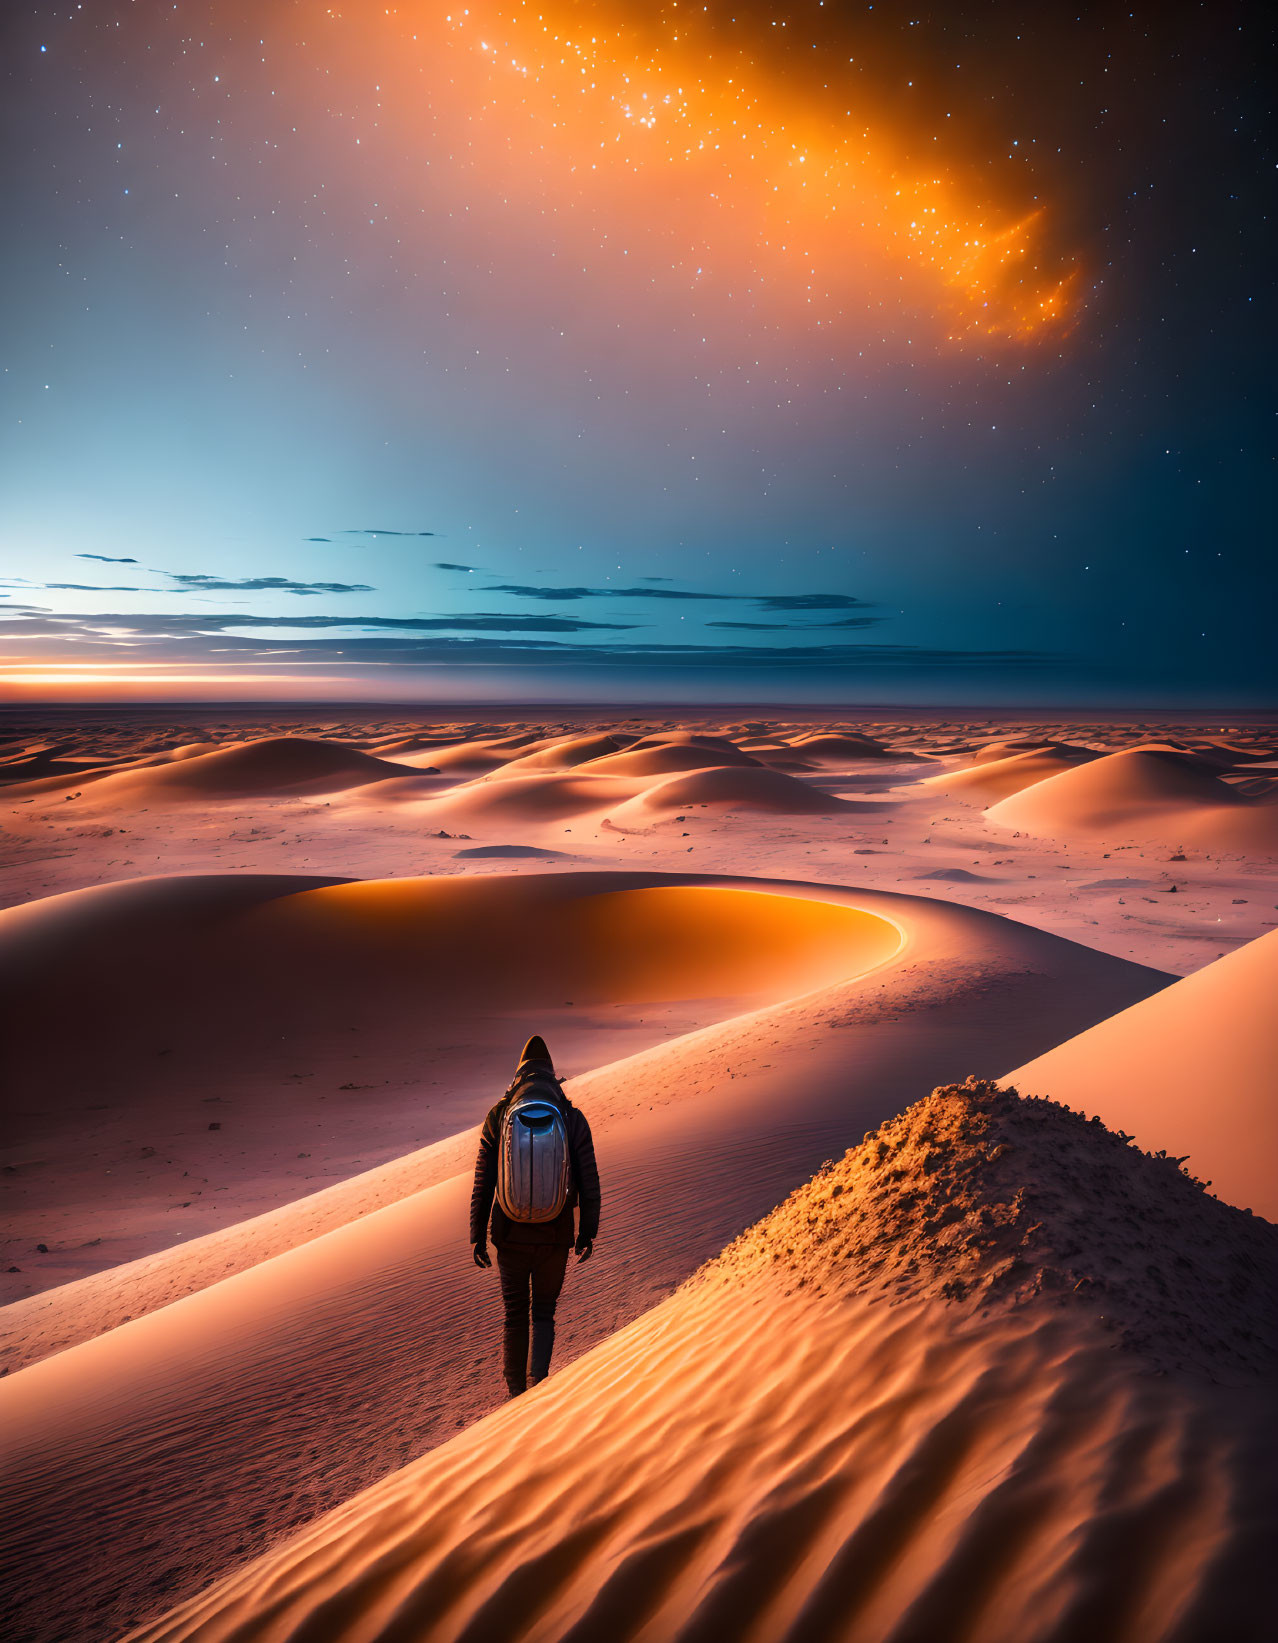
x: 814, y: 353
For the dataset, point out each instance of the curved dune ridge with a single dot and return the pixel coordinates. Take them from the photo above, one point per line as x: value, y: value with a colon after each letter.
x: 908, y: 1420
x: 528, y: 940
x: 729, y: 788
x: 1191, y: 1070
x: 359, y: 990
x: 838, y: 749
x: 667, y: 759
x: 538, y: 797
x: 269, y: 765
x: 382, y: 949
x: 298, y: 944
x: 565, y: 753
x: 1142, y: 793
x: 998, y: 777
x: 308, y: 1354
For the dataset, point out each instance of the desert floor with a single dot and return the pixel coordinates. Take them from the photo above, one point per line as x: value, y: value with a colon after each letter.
x: 265, y: 975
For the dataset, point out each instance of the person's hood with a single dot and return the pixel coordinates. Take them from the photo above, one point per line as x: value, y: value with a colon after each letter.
x: 535, y: 1051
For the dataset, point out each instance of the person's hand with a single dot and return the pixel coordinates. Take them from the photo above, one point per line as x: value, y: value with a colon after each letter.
x: 584, y: 1247
x: 480, y: 1255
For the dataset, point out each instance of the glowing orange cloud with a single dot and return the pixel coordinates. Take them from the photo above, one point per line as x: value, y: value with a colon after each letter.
x: 802, y: 190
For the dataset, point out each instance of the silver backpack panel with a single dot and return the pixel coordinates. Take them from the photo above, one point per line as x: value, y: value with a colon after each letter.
x: 533, y: 1171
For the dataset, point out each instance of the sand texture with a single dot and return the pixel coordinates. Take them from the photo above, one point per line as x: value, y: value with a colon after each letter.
x: 850, y: 1361
x: 898, y: 1407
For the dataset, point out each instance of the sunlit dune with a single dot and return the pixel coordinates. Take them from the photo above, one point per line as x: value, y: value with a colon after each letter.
x: 364, y: 1295
x: 843, y: 749
x: 567, y: 753
x: 416, y: 964
x: 1142, y: 794
x: 997, y: 775
x: 666, y: 759
x: 275, y: 764
x: 593, y: 944
x: 759, y: 790
x: 915, y: 1409
x: 1190, y: 1070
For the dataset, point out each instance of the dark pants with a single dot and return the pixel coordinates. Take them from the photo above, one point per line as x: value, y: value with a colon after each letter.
x: 531, y: 1277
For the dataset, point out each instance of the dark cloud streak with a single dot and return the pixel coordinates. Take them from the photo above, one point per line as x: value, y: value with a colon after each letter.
x: 260, y: 584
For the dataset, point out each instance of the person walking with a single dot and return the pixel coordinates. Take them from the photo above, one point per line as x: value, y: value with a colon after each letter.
x: 535, y: 1165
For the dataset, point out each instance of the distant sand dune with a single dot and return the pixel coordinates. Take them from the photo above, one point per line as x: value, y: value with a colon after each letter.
x: 843, y: 749
x: 567, y: 753
x: 471, y: 758
x: 1142, y: 794
x: 992, y: 779
x: 273, y: 764
x: 537, y: 799
x: 668, y: 758
x: 769, y: 791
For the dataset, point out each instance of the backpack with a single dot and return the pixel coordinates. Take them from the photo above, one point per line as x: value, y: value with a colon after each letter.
x: 534, y: 1167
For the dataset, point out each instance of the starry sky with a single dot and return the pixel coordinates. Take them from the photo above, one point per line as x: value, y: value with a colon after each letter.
x: 552, y: 351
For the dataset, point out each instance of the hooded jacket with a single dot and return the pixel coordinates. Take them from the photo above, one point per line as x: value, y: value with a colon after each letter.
x: 583, y: 1193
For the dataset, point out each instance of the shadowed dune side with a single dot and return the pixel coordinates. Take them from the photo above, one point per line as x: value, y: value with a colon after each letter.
x: 919, y: 1404
x: 377, y: 941
x: 1143, y: 793
x: 989, y: 780
x: 1007, y: 747
x: 536, y: 799
x: 567, y: 753
x: 184, y: 1441
x: 190, y: 950
x: 847, y: 748
x: 48, y: 773
x: 728, y: 788
x: 283, y: 1029
x: 688, y: 738
x: 1193, y: 1070
x: 473, y: 758
x: 270, y: 765
x: 668, y: 758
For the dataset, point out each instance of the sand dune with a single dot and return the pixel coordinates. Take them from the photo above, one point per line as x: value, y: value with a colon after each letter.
x: 1006, y: 748
x: 1191, y: 1070
x: 843, y: 748
x: 537, y: 799
x: 472, y: 758
x: 727, y: 788
x: 567, y: 753
x: 908, y: 1418
x: 274, y: 764
x: 207, y: 1001
x: 247, y: 1408
x: 992, y: 779
x: 667, y: 758
x: 688, y: 738
x: 1142, y: 794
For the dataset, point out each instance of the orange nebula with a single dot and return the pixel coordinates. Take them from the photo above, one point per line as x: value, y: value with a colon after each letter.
x: 756, y: 166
